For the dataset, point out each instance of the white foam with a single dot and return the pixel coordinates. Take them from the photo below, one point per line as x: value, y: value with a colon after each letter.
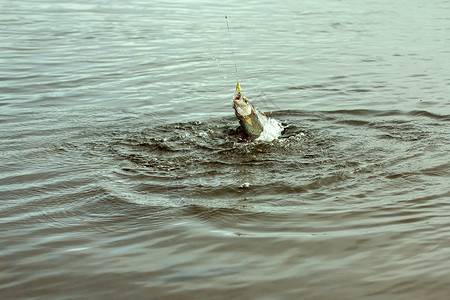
x: 272, y: 129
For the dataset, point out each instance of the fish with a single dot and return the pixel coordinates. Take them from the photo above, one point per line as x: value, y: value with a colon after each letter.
x: 251, y: 120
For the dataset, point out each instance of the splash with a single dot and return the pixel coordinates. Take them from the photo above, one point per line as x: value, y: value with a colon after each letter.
x: 272, y: 129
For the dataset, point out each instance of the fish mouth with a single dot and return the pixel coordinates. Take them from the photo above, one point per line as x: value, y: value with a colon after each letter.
x: 241, y: 105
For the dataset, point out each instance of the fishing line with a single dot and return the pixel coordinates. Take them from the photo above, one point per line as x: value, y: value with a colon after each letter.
x: 232, y: 49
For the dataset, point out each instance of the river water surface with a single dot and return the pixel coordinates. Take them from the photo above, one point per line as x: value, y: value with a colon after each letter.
x: 121, y: 165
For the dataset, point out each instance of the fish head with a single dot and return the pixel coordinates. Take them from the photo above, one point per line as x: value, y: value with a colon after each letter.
x: 241, y: 105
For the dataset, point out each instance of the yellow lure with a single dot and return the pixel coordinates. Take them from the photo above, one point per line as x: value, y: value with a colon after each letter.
x: 238, y: 87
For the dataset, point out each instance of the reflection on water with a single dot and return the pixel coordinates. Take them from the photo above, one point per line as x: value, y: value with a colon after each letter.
x: 122, y: 165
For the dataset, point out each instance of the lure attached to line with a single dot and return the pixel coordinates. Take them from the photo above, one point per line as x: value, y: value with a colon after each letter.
x: 238, y: 87
x: 254, y: 123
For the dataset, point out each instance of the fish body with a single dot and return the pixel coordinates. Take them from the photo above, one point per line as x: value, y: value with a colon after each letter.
x: 252, y: 121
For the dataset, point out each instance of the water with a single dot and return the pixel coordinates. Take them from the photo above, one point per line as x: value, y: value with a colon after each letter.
x: 121, y: 165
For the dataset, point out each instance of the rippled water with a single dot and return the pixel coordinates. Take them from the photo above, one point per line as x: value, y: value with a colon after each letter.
x: 122, y: 166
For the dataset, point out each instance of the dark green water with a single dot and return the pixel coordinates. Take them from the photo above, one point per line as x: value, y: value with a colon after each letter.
x: 121, y: 168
